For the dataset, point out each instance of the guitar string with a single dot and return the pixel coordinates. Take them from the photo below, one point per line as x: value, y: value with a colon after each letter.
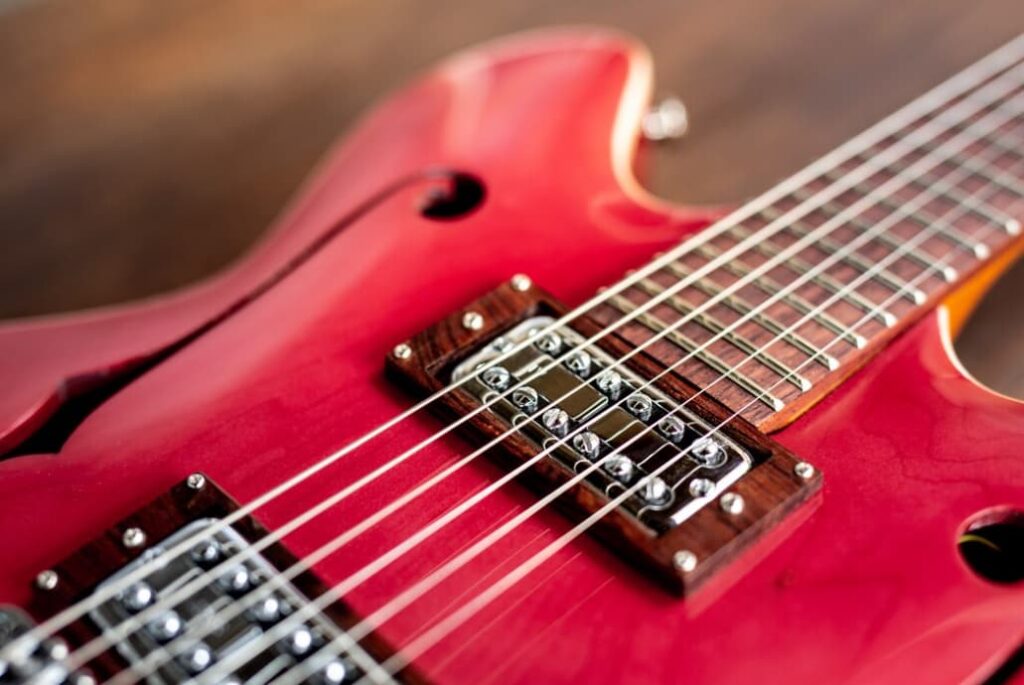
x: 446, y: 626
x: 995, y: 63
x: 375, y: 619
x: 307, y: 561
x: 337, y: 591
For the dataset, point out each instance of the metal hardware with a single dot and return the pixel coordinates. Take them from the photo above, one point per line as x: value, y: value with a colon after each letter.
x: 640, y: 406
x: 137, y: 597
x: 704, y: 355
x: 521, y: 283
x: 821, y: 278
x: 716, y: 327
x: 192, y: 613
x: 708, y: 452
x: 656, y: 492
x: 621, y: 468
x: 773, y: 288
x: 496, y: 377
x: 206, y: 553
x: 47, y: 580
x: 685, y: 560
x: 757, y: 315
x: 402, y: 351
x: 550, y: 343
x: 666, y: 120
x: 890, y: 280
x: 732, y: 503
x: 579, y: 363
x: 921, y: 259
x: 923, y: 217
x: 526, y: 398
x: 26, y: 659
x: 610, y: 383
x: 133, y: 537
x: 196, y: 481
x: 803, y: 470
x: 556, y: 420
x: 672, y: 428
x: 587, y: 444
x: 566, y: 400
x: 472, y: 321
x: 701, y: 487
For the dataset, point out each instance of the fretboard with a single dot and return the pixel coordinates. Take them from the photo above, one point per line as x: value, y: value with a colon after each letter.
x: 777, y: 303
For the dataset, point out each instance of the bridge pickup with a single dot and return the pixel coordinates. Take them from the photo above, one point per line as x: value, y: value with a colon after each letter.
x: 248, y: 620
x: 614, y: 421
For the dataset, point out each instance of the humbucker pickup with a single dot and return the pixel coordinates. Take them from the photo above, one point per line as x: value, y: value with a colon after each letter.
x: 183, y: 597
x: 693, y: 483
x: 605, y: 410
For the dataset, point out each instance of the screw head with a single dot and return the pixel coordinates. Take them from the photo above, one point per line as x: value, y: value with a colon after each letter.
x: 402, y: 351
x: 133, y: 537
x: 684, y: 560
x: 732, y: 503
x: 520, y: 283
x: 803, y: 470
x: 472, y: 321
x: 701, y: 487
x: 196, y: 481
x: 47, y: 580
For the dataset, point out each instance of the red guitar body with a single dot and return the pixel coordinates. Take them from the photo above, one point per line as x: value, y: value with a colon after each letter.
x: 869, y: 588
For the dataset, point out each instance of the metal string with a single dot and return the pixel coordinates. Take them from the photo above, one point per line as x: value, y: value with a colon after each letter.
x: 331, y: 547
x: 337, y: 591
x: 443, y: 628
x: 63, y: 618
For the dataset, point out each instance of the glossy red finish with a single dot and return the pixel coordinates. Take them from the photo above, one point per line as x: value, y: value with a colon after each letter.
x: 869, y: 589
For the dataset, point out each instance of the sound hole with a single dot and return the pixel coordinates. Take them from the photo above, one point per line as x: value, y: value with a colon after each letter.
x: 458, y: 197
x: 993, y: 547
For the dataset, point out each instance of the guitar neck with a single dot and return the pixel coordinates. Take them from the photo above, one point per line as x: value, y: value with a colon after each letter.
x: 779, y: 302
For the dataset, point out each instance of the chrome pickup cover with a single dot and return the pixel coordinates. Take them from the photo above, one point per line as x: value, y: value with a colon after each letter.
x: 609, y: 414
x: 206, y: 648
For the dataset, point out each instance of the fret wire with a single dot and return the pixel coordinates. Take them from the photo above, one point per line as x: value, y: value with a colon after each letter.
x: 883, y: 276
x: 983, y: 171
x: 956, y: 194
x: 822, y: 279
x: 1003, y: 146
x: 715, y: 326
x: 948, y: 273
x: 744, y: 308
x: 771, y: 287
x: 926, y: 219
x: 706, y: 356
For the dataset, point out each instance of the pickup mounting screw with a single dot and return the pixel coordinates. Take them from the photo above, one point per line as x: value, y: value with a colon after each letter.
x: 732, y: 503
x: 133, y: 537
x: 196, y: 481
x: 684, y: 560
x: 402, y: 351
x: 521, y: 283
x: 47, y: 580
x: 803, y: 470
x: 472, y: 321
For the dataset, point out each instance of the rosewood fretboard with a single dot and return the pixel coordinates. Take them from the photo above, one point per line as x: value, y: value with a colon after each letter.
x: 780, y: 301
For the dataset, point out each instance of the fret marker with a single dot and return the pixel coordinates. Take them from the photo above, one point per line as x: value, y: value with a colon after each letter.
x: 981, y: 251
x: 949, y: 274
x: 1012, y: 227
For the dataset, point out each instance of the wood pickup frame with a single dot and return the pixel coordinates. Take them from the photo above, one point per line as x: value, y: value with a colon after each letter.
x: 694, y: 484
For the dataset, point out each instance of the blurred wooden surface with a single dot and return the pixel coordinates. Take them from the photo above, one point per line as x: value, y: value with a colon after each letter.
x: 145, y: 144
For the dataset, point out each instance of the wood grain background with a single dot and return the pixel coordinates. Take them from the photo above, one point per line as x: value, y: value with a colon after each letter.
x: 146, y: 144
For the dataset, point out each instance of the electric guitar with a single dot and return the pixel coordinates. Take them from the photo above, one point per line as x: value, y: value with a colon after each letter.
x: 479, y: 409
